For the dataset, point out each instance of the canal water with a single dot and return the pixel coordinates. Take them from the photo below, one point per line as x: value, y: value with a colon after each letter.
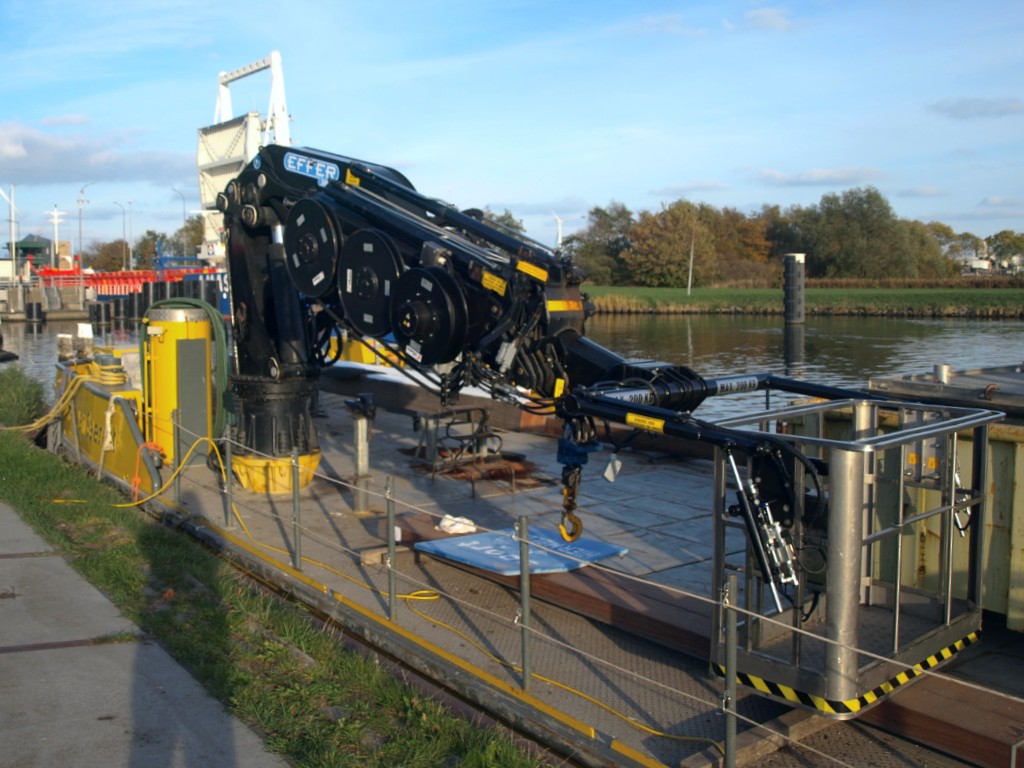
x: 36, y: 344
x: 841, y: 351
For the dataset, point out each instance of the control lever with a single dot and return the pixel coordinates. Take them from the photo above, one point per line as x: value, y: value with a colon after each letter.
x: 773, y: 552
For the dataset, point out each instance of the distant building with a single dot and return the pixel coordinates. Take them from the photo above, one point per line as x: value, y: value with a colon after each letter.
x: 37, y: 250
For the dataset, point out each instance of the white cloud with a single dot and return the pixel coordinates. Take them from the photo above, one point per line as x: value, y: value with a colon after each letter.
x: 976, y: 108
x: 668, y: 24
x: 998, y: 201
x: 922, y: 191
x: 33, y: 157
x: 66, y: 120
x: 683, y: 190
x: 776, y: 19
x: 819, y: 177
x: 11, y: 147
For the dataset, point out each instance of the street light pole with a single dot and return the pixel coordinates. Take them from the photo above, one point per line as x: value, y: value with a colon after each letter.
x: 131, y: 250
x: 183, y: 222
x: 81, y: 204
x: 124, y: 238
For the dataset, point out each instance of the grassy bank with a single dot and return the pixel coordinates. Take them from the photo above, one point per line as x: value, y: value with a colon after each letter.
x: 265, y: 658
x: 895, y: 302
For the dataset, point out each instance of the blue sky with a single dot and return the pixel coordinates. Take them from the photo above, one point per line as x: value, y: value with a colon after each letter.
x: 544, y: 108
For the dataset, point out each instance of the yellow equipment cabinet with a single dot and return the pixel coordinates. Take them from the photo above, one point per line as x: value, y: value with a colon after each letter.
x: 177, y: 372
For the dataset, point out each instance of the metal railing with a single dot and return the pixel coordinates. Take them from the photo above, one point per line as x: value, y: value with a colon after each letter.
x: 610, y: 698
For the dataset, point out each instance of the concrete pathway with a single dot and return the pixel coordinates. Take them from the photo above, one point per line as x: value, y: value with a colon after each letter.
x: 70, y: 701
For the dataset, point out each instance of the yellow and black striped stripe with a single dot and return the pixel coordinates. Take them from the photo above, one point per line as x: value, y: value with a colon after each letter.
x: 851, y: 706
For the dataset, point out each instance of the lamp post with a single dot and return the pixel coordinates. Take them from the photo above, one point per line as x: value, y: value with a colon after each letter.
x: 124, y: 237
x: 131, y: 250
x: 183, y: 221
x: 81, y: 245
x: 81, y: 204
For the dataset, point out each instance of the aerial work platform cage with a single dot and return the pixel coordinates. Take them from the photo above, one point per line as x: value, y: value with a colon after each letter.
x: 888, y: 541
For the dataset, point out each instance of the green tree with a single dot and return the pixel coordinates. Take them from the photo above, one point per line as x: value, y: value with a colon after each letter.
x: 661, y: 244
x: 970, y: 245
x: 856, y: 234
x: 145, y: 249
x: 1005, y: 245
x: 186, y: 239
x: 740, y: 244
x: 193, y: 235
x: 106, y: 257
x: 859, y: 228
x: 505, y: 219
x: 959, y: 247
x: 598, y: 247
x: 925, y: 256
x: 781, y: 230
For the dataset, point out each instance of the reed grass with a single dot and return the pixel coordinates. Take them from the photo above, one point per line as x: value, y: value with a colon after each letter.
x: 959, y: 301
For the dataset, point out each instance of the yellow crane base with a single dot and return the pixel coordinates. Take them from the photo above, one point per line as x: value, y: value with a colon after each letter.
x: 273, y: 476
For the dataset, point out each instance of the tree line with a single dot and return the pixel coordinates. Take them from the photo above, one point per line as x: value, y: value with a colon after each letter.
x: 848, y: 235
x: 852, y: 234
x: 114, y: 255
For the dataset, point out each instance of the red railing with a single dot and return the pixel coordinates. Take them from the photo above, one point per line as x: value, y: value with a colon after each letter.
x: 117, y: 283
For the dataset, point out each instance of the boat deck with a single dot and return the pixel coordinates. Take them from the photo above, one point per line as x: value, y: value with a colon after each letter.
x: 617, y: 653
x: 999, y: 388
x: 473, y: 620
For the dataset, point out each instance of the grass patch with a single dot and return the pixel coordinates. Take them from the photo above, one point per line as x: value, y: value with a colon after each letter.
x: 263, y: 657
x: 22, y: 400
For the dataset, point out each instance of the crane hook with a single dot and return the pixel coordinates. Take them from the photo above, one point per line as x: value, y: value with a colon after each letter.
x: 575, y: 529
x: 570, y: 486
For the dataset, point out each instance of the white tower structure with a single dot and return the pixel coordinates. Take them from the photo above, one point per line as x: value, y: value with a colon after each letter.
x: 55, y: 219
x: 227, y: 146
x: 14, y: 233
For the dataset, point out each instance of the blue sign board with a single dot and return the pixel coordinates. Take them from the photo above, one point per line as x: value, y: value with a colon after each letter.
x: 321, y: 170
x: 498, y: 551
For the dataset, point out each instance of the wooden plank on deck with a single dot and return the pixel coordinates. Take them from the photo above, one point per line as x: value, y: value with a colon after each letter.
x: 973, y: 724
x: 667, y: 617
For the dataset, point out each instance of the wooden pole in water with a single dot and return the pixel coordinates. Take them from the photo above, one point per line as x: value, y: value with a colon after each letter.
x: 793, y: 299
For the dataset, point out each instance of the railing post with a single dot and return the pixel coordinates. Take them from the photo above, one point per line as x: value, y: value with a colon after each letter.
x: 229, y: 522
x: 389, y: 489
x: 729, y: 698
x: 179, y: 465
x: 363, y: 412
x: 523, y: 529
x: 296, y: 513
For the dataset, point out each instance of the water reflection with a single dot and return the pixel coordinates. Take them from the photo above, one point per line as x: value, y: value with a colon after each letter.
x: 793, y: 349
x: 842, y: 351
x: 36, y: 344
